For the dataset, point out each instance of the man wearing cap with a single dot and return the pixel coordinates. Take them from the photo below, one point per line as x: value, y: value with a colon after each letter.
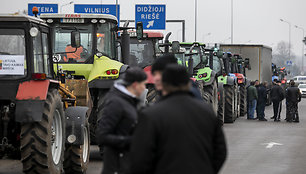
x: 178, y: 134
x: 277, y: 95
x: 117, y: 119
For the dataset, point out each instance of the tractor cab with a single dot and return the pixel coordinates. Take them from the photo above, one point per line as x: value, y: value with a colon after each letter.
x: 96, y: 58
x: 144, y: 51
x: 24, y: 52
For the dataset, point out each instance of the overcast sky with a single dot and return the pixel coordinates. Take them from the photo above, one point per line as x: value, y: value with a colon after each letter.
x: 255, y: 21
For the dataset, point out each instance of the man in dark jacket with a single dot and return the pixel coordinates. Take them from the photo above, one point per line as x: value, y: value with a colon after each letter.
x: 277, y: 95
x: 262, y: 100
x: 179, y: 134
x: 293, y: 97
x: 252, y: 100
x: 117, y: 119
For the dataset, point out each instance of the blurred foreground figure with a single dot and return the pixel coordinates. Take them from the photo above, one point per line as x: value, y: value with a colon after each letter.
x: 179, y: 134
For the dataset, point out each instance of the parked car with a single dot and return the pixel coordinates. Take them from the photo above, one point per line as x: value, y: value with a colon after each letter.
x: 302, y: 88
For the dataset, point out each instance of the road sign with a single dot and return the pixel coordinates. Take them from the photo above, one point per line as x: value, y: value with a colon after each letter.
x: 289, y: 62
x: 43, y: 8
x: 97, y: 9
x: 152, y: 16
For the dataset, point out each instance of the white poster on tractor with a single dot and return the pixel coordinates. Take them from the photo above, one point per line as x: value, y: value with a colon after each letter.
x: 12, y: 64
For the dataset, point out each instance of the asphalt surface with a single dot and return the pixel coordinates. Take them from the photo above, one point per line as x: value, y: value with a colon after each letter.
x: 254, y: 147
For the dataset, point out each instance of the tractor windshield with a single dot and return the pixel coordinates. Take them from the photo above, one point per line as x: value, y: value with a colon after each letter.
x: 197, y: 58
x: 12, y: 54
x: 62, y: 43
x: 141, y: 52
x: 94, y: 38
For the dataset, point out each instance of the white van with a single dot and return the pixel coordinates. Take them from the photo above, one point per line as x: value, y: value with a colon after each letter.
x: 300, y: 79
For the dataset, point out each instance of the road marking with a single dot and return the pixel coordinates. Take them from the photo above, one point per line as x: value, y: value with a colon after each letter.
x: 271, y: 144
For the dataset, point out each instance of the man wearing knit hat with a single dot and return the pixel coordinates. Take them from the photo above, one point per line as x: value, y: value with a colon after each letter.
x: 178, y: 134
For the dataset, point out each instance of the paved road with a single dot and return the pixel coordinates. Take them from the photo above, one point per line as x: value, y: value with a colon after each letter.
x: 248, y: 152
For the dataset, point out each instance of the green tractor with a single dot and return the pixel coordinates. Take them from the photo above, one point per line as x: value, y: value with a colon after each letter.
x: 97, y: 58
x: 203, y: 72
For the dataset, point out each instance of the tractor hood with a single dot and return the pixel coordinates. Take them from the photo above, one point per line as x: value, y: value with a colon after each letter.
x: 104, y: 68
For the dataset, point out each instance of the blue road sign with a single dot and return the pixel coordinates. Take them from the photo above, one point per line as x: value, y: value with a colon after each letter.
x: 97, y: 9
x: 152, y: 16
x: 289, y: 62
x: 43, y: 8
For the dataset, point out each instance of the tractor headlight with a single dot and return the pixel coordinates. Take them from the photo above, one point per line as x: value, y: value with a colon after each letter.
x: 99, y: 54
x: 34, y: 31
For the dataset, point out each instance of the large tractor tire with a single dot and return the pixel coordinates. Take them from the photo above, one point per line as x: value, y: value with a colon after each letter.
x: 93, y: 124
x: 77, y: 156
x: 152, y: 94
x: 42, y: 143
x: 98, y: 101
x: 243, y: 100
x: 210, y: 94
x: 221, y: 103
x: 230, y: 114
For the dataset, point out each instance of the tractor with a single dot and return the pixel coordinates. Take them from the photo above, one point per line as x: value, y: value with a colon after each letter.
x: 204, y: 67
x: 203, y: 72
x: 97, y: 59
x: 40, y: 122
x: 238, y: 69
x: 231, y: 89
x: 143, y: 52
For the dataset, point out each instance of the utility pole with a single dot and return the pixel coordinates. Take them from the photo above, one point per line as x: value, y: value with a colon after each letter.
x: 232, y: 21
x: 289, y: 37
x: 195, y: 19
x: 302, y: 46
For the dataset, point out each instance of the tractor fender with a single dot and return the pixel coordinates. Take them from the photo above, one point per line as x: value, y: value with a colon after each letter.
x: 75, y: 123
x: 123, y: 69
x: 212, y: 78
x: 30, y: 99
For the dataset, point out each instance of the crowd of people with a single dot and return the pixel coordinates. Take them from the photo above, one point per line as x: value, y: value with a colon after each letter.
x: 178, y: 134
x: 257, y: 98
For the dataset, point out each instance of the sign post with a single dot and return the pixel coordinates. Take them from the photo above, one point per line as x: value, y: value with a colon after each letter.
x: 152, y: 16
x: 43, y: 8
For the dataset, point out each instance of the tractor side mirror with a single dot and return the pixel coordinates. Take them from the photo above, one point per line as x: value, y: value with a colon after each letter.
x: 175, y: 46
x: 247, y: 63
x: 139, y: 30
x: 75, y: 39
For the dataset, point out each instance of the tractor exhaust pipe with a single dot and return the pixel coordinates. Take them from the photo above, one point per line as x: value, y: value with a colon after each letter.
x: 167, y: 42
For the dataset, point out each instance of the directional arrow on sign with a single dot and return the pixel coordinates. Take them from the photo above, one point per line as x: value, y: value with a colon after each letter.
x: 150, y: 24
x: 271, y: 144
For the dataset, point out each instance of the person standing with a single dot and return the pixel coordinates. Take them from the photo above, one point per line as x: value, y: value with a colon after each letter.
x: 257, y: 84
x: 277, y: 95
x: 262, y: 100
x: 252, y: 100
x: 293, y: 97
x: 179, y: 134
x: 117, y: 119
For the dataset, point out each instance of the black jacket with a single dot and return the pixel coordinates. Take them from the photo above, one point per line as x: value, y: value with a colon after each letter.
x: 293, y: 95
x: 178, y: 135
x: 277, y: 93
x: 116, y: 123
x: 262, y: 94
